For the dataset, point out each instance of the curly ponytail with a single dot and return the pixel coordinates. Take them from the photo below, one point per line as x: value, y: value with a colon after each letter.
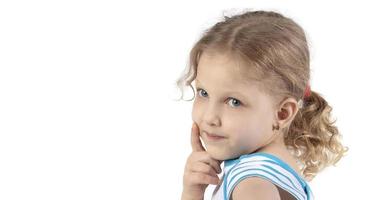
x: 313, y: 137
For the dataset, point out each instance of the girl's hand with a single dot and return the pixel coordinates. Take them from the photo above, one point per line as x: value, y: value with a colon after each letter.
x: 200, y: 169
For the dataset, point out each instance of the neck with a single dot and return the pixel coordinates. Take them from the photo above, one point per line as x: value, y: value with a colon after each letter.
x: 276, y: 146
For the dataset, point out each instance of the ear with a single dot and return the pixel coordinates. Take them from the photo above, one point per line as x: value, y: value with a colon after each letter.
x: 286, y: 112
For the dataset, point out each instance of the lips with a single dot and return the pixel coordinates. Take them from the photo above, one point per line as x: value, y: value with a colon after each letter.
x: 213, y: 135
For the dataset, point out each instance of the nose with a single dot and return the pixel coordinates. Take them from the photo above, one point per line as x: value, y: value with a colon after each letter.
x: 211, y: 116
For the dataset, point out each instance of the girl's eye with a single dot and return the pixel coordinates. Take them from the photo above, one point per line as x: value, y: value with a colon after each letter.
x: 234, y: 102
x: 203, y: 92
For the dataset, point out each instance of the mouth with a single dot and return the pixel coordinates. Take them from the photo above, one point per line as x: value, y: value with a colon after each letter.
x: 213, y: 137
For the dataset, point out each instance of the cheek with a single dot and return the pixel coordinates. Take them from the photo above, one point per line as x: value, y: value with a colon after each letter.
x: 247, y: 140
x: 247, y: 130
x: 196, y: 112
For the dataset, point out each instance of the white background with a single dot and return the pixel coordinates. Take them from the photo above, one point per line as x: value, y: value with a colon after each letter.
x: 87, y: 91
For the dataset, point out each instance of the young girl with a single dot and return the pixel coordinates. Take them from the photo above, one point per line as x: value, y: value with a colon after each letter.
x: 255, y: 112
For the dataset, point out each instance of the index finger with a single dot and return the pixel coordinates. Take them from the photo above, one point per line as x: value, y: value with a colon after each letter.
x: 195, y: 140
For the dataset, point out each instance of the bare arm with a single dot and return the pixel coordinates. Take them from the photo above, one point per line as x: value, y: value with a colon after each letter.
x: 255, y: 188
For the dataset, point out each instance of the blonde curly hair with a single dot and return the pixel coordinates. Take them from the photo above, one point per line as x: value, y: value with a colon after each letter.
x: 277, y: 55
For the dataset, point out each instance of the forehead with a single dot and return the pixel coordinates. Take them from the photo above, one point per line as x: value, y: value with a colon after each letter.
x: 224, y: 73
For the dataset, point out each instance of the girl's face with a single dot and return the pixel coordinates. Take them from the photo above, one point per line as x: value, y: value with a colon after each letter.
x: 227, y: 106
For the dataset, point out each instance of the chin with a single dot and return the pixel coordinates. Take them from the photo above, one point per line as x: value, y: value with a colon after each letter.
x: 218, y: 155
x: 214, y: 154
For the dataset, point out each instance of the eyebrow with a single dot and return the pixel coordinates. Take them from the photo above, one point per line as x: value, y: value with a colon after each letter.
x: 229, y: 92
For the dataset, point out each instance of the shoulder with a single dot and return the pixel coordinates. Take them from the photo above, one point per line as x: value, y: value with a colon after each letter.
x: 255, y: 188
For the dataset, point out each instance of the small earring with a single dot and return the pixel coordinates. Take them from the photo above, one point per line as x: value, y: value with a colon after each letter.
x: 276, y: 127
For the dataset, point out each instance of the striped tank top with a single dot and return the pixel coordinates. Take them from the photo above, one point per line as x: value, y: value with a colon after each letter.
x: 265, y: 166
